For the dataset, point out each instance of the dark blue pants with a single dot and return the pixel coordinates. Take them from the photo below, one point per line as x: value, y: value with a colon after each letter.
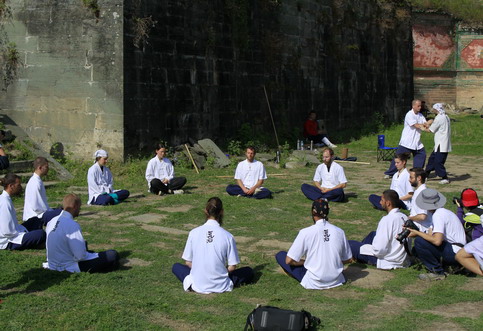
x: 375, y: 200
x: 111, y: 199
x: 34, y: 239
x: 50, y: 214
x: 356, y: 250
x: 314, y: 193
x: 175, y: 183
x: 107, y: 261
x: 233, y: 189
x: 436, y: 162
x: 238, y: 276
x: 419, y: 159
x: 433, y: 257
x: 297, y: 272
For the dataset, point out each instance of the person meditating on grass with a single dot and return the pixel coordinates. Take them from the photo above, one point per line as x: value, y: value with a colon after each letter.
x: 160, y: 174
x: 250, y: 175
x: 100, y: 183
x: 211, y: 256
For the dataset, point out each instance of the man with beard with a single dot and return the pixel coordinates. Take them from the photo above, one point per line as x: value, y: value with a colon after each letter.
x: 329, y: 180
x: 211, y: 256
x: 417, y: 178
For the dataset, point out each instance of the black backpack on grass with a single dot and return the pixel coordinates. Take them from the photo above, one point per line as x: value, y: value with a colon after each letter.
x: 265, y: 318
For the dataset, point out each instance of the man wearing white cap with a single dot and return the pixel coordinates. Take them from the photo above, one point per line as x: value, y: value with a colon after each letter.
x: 439, y: 245
x: 441, y: 127
x: 100, y: 182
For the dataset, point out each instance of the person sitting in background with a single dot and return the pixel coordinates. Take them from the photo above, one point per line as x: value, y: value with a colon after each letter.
x: 36, y: 204
x: 4, y: 162
x: 469, y: 200
x: 400, y: 183
x: 315, y: 130
x: 66, y: 247
x: 100, y: 183
x: 14, y: 236
x: 160, y: 174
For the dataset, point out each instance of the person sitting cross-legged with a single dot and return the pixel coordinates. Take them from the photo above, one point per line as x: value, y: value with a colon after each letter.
x: 381, y: 248
x: 250, y: 175
x: 329, y: 180
x: 66, y: 247
x: 211, y: 256
x: 325, y: 248
x: 160, y: 174
x: 100, y: 183
x: 471, y: 256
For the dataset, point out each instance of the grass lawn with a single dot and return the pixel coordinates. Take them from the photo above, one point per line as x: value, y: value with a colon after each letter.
x: 150, y: 233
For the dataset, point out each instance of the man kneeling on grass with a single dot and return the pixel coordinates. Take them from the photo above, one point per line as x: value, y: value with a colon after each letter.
x: 67, y: 249
x: 211, y: 256
x: 325, y: 248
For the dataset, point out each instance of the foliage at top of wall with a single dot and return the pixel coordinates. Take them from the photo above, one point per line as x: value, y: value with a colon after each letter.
x: 9, y: 56
x: 140, y: 26
x: 470, y: 11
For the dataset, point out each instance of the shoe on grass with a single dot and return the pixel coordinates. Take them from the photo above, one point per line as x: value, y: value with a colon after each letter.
x: 178, y: 191
x: 387, y: 176
x: 444, y: 181
x: 432, y: 276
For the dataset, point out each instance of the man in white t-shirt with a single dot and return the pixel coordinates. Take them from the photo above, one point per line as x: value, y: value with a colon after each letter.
x: 211, y: 256
x: 36, y: 204
x: 441, y: 127
x: 414, y: 123
x: 66, y: 247
x: 380, y: 247
x: 423, y: 219
x: 471, y: 256
x: 249, y: 175
x: 325, y: 249
x: 438, y: 247
x: 329, y: 180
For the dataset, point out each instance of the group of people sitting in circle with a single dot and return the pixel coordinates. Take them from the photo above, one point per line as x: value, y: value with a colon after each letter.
x: 317, y: 255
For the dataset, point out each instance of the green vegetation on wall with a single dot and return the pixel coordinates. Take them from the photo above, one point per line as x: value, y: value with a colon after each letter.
x: 9, y: 56
x: 466, y: 10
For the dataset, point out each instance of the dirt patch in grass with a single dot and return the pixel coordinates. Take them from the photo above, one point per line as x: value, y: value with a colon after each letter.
x: 342, y: 292
x: 242, y: 240
x: 460, y: 309
x: 418, y: 287
x: 176, y: 209
x: 131, y: 262
x: 117, y: 225
x: 443, y: 326
x: 367, y: 278
x: 282, y: 245
x: 100, y: 247
x: 166, y: 322
x: 148, y: 218
x: 160, y: 244
x: 473, y: 284
x: 164, y: 229
x: 190, y: 226
x: 389, y: 306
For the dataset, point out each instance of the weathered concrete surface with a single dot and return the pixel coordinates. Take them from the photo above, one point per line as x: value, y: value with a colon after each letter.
x: 69, y: 89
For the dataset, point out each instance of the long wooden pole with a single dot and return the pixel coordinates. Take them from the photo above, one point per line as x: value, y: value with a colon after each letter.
x: 271, y: 116
x: 191, y: 158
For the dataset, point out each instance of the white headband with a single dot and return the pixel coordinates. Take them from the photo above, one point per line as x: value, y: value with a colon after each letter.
x: 439, y: 107
x: 100, y: 153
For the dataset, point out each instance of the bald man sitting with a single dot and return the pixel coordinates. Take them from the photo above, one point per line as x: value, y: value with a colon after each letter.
x: 66, y: 247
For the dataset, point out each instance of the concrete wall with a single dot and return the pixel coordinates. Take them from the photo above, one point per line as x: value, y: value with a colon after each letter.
x: 448, y: 66
x: 203, y: 71
x: 70, y: 88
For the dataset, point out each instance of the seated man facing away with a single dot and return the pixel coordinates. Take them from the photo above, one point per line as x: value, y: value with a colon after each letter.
x: 380, y: 247
x: 35, y: 204
x: 211, y: 256
x: 329, y: 180
x: 160, y: 174
x: 315, y: 130
x: 325, y: 248
x: 14, y: 236
x: 471, y: 256
x: 66, y: 247
x: 437, y: 248
x: 250, y: 175
x: 100, y: 182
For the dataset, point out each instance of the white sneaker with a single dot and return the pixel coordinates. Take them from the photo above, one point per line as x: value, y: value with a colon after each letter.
x: 387, y: 177
x: 257, y: 190
x: 178, y: 191
x: 444, y: 181
x: 332, y: 146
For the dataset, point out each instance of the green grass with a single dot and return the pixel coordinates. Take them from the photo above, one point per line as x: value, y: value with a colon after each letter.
x: 149, y: 297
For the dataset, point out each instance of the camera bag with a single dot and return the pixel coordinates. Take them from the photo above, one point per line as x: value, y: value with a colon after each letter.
x: 264, y: 318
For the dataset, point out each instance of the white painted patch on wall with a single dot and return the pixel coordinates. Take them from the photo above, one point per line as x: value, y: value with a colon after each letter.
x: 115, y: 15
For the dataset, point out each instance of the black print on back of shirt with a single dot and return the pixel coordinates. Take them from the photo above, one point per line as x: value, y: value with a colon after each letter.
x: 326, y: 235
x: 209, y: 237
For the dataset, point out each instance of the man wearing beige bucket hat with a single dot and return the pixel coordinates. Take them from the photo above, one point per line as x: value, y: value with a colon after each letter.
x: 437, y: 247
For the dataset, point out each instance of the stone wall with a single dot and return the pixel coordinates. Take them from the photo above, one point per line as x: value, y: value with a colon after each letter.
x: 202, y: 72
x: 448, y: 66
x: 70, y: 87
